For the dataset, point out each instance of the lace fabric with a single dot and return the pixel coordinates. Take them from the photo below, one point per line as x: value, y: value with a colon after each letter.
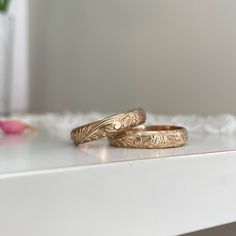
x: 61, y: 124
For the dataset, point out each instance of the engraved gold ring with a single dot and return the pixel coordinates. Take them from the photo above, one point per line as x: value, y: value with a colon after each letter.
x: 159, y: 136
x: 108, y: 126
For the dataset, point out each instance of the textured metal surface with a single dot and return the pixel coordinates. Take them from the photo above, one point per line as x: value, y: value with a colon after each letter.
x: 151, y: 137
x: 108, y: 126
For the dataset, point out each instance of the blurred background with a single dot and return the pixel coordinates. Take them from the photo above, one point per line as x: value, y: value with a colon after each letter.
x: 170, y: 57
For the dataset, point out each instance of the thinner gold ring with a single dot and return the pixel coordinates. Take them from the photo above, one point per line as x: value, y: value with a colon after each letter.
x: 108, y: 126
x: 159, y: 136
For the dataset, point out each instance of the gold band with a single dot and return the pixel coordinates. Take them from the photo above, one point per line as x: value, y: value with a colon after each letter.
x: 160, y: 136
x: 108, y: 126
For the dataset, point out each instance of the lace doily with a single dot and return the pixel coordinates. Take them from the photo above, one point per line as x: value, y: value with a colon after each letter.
x: 61, y: 124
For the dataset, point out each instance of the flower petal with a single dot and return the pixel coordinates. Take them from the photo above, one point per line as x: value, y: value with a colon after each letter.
x: 12, y: 126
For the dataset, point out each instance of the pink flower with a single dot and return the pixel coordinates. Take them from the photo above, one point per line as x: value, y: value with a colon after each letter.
x: 14, y: 126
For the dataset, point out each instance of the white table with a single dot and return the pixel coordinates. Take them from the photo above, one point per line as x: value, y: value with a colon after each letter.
x: 49, y: 187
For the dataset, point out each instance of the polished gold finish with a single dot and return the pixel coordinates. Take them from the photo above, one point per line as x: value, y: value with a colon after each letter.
x: 108, y: 126
x: 160, y: 136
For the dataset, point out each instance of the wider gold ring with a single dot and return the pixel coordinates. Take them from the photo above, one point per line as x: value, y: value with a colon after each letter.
x: 108, y: 126
x: 160, y: 136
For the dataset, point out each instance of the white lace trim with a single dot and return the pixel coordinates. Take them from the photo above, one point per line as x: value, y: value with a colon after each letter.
x: 61, y: 124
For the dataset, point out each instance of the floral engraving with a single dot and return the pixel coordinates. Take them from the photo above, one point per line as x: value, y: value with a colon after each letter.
x: 150, y: 139
x: 108, y: 126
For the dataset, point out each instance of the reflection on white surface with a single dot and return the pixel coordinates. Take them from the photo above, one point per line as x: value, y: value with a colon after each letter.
x: 100, y: 153
x: 22, y: 153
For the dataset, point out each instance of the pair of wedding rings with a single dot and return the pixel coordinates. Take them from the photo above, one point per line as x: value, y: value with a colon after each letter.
x: 126, y: 130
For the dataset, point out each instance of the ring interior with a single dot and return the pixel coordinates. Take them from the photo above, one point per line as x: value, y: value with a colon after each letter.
x: 162, y: 128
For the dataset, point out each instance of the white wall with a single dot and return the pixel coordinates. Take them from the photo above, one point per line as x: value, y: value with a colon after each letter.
x: 16, y: 25
x: 20, y: 83
x: 167, y: 56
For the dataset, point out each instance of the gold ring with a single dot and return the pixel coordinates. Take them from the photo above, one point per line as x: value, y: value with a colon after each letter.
x: 108, y: 126
x: 160, y: 136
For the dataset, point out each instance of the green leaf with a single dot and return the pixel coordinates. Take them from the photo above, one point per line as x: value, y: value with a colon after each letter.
x: 4, y: 5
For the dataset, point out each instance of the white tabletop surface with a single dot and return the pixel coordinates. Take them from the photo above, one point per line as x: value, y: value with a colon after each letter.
x: 21, y: 153
x: 50, y: 187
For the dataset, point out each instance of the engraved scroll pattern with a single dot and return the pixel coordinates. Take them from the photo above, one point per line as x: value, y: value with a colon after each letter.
x: 159, y: 139
x: 108, y: 126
